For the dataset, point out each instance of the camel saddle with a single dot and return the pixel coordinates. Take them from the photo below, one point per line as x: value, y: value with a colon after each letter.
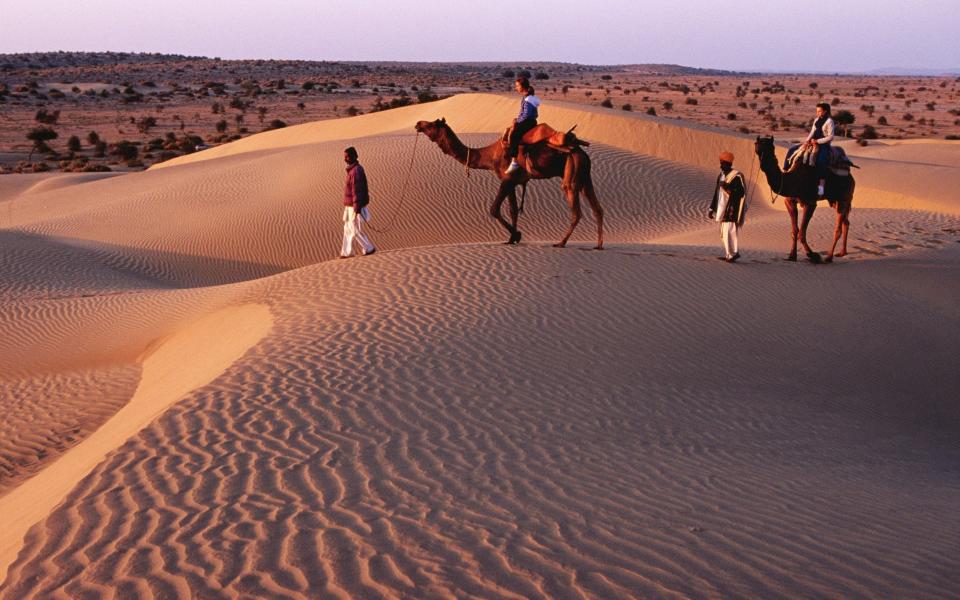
x: 558, y: 140
x: 839, y: 163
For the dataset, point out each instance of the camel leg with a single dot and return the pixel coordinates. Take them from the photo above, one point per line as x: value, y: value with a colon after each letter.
x: 512, y: 207
x: 591, y: 195
x: 845, y: 226
x: 837, y: 229
x: 808, y: 209
x: 791, y: 204
x: 506, y: 189
x: 573, y: 201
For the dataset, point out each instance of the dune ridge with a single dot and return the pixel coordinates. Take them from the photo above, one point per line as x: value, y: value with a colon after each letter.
x: 454, y: 417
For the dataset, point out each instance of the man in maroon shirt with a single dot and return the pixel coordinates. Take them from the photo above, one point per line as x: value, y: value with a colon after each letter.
x: 356, y: 196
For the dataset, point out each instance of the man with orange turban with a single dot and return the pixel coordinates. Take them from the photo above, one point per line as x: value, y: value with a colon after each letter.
x: 728, y: 206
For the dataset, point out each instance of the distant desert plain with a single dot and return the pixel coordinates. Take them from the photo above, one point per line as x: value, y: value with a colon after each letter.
x: 197, y: 400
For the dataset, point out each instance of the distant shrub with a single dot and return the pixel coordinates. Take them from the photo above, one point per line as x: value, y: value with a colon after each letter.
x: 92, y: 138
x: 40, y: 136
x: 668, y: 105
x: 508, y: 73
x: 652, y: 111
x: 731, y: 116
x: 541, y: 76
x: 907, y: 117
x: 353, y: 111
x: 606, y: 103
x: 47, y: 118
x: 606, y: 77
x: 627, y: 107
x: 124, y: 150
x: 882, y: 120
x: 868, y: 133
x: 221, y: 125
x: 843, y: 119
x: 952, y: 137
x: 692, y: 101
x: 277, y: 124
x: 73, y: 144
x: 145, y: 124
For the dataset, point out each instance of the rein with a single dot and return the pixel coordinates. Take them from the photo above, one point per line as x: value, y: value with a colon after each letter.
x: 403, y: 191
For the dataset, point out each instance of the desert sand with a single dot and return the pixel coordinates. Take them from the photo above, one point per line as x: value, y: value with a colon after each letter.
x: 198, y: 401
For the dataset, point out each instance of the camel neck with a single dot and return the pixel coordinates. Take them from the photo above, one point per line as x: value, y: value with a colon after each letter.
x: 479, y: 158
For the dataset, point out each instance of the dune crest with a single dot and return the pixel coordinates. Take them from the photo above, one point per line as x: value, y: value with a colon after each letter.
x: 190, y: 358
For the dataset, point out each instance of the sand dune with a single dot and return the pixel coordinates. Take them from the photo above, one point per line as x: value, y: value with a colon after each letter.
x: 200, y: 403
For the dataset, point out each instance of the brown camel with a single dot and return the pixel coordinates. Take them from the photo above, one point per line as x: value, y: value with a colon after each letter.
x: 799, y: 186
x: 540, y: 161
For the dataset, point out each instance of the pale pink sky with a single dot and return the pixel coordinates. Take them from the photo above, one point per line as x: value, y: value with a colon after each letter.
x: 799, y: 35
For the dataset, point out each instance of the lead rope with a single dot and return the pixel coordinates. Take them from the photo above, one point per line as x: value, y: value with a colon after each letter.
x: 403, y: 191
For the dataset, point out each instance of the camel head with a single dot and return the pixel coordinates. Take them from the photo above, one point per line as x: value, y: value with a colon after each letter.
x: 763, y: 145
x: 431, y: 129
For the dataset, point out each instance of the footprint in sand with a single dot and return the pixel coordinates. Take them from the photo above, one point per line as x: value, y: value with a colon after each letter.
x: 892, y: 246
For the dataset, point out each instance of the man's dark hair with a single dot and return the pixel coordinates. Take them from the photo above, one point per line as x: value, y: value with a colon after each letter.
x: 825, y: 107
x: 351, y: 152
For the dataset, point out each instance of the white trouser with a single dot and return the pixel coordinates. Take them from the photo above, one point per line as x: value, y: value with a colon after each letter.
x: 728, y: 233
x: 353, y: 229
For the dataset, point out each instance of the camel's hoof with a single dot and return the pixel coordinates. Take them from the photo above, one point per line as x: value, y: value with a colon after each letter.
x: 828, y: 259
x: 560, y: 245
x: 600, y: 247
x: 841, y: 254
x: 791, y: 258
x: 814, y: 257
x: 515, y: 237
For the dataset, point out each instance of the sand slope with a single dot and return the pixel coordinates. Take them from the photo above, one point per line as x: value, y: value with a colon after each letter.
x: 456, y: 418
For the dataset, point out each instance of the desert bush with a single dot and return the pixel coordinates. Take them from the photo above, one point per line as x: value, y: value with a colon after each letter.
x: 40, y: 136
x: 277, y: 124
x: 691, y: 101
x: 508, y: 73
x: 93, y: 137
x: 868, y: 133
x: 952, y: 137
x: 931, y: 105
x: 606, y: 77
x: 426, y: 96
x: 146, y: 123
x: 606, y: 103
x: 843, y: 119
x: 652, y: 111
x: 47, y: 118
x: 541, y: 76
x: 882, y: 120
x: 73, y: 144
x: 907, y: 117
x: 353, y: 111
x: 216, y: 108
x: 100, y: 149
x: 731, y: 116
x: 627, y: 107
x: 308, y: 85
x: 124, y: 150
x: 221, y: 125
x: 668, y: 105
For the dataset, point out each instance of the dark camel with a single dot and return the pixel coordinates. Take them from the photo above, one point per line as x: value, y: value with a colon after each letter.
x: 799, y: 185
x: 540, y: 161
